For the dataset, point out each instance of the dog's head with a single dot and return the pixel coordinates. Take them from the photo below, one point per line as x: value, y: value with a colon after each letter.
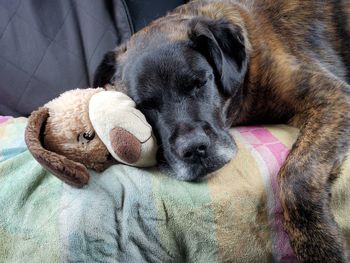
x: 183, y: 73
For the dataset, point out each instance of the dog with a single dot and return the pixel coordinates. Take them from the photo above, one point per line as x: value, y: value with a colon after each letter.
x: 210, y: 65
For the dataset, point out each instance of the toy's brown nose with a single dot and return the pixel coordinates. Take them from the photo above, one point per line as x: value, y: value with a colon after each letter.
x: 126, y: 146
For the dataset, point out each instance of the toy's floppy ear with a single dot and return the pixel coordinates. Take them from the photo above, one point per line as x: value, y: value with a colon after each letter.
x: 71, y: 172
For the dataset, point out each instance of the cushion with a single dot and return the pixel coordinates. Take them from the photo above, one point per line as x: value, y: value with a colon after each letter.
x: 127, y: 214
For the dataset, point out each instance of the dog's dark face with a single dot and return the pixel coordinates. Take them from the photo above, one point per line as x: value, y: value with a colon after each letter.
x: 175, y: 88
x: 183, y: 87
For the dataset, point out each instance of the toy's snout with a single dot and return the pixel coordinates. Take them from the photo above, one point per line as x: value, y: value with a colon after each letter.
x: 122, y: 128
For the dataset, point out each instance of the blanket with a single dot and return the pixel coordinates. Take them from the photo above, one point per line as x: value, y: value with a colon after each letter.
x: 127, y: 214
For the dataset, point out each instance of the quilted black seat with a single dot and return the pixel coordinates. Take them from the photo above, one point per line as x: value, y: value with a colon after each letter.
x: 47, y: 47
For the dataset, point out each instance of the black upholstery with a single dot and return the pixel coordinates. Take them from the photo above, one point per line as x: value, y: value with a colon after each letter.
x: 48, y: 47
x: 142, y: 12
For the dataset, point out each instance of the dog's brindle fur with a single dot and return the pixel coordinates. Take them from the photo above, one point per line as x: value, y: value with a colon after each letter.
x: 298, y: 73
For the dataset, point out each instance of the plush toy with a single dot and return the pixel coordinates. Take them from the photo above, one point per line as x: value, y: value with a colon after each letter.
x: 89, y: 128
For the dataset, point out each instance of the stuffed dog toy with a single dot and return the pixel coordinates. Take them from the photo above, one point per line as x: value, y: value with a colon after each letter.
x: 86, y: 128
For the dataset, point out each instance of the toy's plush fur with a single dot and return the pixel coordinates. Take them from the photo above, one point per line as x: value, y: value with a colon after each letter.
x: 89, y: 128
x: 68, y: 171
x: 63, y: 127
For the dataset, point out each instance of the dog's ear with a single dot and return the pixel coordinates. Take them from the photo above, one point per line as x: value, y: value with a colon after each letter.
x: 105, y: 71
x: 71, y: 172
x: 223, y: 45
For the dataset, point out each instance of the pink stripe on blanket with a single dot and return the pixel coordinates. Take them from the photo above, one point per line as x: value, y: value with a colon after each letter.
x: 273, y: 153
x: 4, y: 119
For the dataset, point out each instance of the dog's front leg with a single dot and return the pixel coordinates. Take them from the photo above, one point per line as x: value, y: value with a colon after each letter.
x: 323, y: 116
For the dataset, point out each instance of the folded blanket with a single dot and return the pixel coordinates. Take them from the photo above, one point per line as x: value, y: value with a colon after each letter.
x: 127, y: 214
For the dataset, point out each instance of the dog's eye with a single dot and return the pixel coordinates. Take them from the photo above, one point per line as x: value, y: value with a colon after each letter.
x: 199, y: 83
x: 86, y: 137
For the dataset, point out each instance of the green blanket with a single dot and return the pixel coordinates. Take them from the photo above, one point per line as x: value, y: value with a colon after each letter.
x: 127, y: 214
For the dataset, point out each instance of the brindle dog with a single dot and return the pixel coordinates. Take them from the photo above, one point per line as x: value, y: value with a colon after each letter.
x: 252, y: 61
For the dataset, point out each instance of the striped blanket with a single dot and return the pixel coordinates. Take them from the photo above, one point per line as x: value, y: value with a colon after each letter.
x: 127, y: 214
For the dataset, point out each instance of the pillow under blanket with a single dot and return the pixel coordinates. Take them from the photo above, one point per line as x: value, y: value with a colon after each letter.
x: 127, y: 214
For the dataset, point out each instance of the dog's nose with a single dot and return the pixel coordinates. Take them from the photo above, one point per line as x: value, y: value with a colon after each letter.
x: 194, y: 150
x: 193, y: 146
